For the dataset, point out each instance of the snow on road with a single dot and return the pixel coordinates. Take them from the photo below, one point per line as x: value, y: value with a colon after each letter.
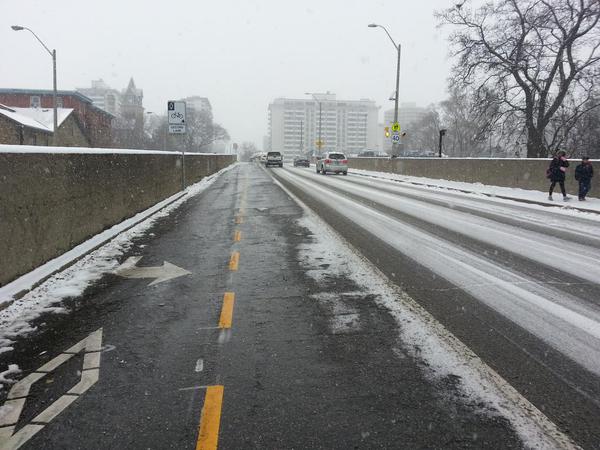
x: 576, y: 259
x: 568, y: 323
x: 422, y: 336
x: 494, y: 192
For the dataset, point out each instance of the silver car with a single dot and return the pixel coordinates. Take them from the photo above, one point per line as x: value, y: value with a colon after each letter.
x: 333, y: 162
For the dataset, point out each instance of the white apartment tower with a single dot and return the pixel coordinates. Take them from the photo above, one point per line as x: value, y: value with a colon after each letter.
x: 200, y: 104
x: 348, y: 126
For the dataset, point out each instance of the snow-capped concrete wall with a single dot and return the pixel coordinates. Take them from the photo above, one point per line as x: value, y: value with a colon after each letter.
x: 517, y: 173
x: 52, y: 200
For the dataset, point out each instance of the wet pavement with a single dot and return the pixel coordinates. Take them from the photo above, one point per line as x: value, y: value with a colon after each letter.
x: 296, y: 370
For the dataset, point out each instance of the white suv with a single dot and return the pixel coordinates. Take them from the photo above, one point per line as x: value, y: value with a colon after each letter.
x: 274, y: 159
x: 333, y: 162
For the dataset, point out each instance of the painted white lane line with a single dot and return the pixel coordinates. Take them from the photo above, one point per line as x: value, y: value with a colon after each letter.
x: 55, y: 409
x: 13, y: 407
x: 21, y: 389
x: 199, y: 365
x: 88, y: 378
x: 192, y: 388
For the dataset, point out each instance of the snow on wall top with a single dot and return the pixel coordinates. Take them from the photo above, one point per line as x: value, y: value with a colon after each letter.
x: 87, y: 150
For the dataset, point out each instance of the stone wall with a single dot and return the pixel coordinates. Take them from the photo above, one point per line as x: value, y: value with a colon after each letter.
x: 50, y: 202
x: 517, y: 173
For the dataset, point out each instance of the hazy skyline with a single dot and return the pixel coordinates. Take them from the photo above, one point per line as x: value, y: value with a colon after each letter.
x: 239, y: 54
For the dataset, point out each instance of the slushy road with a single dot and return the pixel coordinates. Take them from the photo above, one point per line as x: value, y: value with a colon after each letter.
x: 518, y: 284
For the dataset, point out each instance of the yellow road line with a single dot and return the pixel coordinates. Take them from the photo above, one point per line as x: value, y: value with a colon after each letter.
x: 210, y: 420
x: 234, y: 261
x: 239, y: 220
x: 237, y: 237
x: 227, y: 310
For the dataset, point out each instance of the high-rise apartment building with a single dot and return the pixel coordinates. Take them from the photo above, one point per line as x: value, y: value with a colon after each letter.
x: 348, y: 126
x: 199, y: 104
x: 103, y: 96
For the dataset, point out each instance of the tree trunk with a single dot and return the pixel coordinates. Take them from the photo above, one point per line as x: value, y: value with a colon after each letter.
x: 535, y: 144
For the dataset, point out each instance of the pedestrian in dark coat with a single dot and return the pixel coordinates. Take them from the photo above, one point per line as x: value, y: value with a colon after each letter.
x: 584, y: 173
x: 557, y: 171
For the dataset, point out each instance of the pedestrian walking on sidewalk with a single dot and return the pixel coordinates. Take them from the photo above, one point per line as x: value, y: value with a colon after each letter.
x: 556, y: 172
x: 584, y: 173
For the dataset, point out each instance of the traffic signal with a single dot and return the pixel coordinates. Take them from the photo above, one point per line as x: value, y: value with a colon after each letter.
x: 387, y: 132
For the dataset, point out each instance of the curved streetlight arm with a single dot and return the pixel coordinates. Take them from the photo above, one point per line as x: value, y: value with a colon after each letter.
x: 398, y: 48
x: 19, y: 28
x: 374, y: 25
x: 54, y: 89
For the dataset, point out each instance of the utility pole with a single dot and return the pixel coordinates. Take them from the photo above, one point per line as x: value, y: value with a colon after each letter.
x: 319, y: 142
x: 301, y: 138
x: 398, y: 48
x: 54, y: 92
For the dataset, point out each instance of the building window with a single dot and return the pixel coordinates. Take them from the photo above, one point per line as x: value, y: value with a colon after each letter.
x: 59, y: 102
x: 35, y: 101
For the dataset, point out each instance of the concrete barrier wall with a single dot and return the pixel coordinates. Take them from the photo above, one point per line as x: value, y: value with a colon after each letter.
x: 50, y: 202
x: 518, y: 173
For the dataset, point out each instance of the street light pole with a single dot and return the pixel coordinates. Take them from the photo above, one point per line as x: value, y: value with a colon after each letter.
x: 54, y: 89
x: 398, y: 48
x: 320, y: 142
x: 301, y: 138
x: 54, y: 98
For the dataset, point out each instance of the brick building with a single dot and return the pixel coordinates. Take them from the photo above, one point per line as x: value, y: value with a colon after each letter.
x: 94, y: 122
x: 33, y: 126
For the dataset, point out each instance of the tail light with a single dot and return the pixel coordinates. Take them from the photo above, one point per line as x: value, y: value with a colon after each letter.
x: 344, y: 161
x: 327, y: 161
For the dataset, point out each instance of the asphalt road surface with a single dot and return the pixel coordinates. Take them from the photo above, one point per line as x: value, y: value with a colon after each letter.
x: 265, y: 343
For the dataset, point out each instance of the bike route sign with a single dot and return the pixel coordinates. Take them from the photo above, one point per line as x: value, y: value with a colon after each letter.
x: 176, y: 116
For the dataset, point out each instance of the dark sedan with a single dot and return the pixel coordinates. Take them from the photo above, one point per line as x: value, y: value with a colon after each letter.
x: 301, y: 162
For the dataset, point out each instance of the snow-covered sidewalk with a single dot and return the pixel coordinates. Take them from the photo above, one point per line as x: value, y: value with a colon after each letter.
x: 591, y: 204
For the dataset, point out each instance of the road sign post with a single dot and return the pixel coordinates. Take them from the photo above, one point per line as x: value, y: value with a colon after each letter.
x: 176, y: 113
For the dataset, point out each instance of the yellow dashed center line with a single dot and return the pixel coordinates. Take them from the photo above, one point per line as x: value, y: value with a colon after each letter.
x: 234, y: 261
x: 237, y: 237
x: 210, y: 420
x: 239, y: 220
x: 227, y: 310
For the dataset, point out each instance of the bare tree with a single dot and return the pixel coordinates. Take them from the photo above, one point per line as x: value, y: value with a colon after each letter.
x: 470, y: 119
x: 534, y: 54
x: 200, y: 133
x: 423, y: 135
x: 583, y: 136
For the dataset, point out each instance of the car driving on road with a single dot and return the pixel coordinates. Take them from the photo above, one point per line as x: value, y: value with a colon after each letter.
x: 274, y: 159
x: 333, y: 162
x: 301, y: 162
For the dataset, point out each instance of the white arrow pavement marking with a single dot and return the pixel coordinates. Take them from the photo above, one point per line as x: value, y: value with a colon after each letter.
x: 167, y: 272
x: 12, y: 408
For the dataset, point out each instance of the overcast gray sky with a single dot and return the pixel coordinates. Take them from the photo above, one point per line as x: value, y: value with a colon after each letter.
x: 240, y: 54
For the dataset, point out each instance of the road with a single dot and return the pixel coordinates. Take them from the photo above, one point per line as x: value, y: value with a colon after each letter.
x: 325, y: 312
